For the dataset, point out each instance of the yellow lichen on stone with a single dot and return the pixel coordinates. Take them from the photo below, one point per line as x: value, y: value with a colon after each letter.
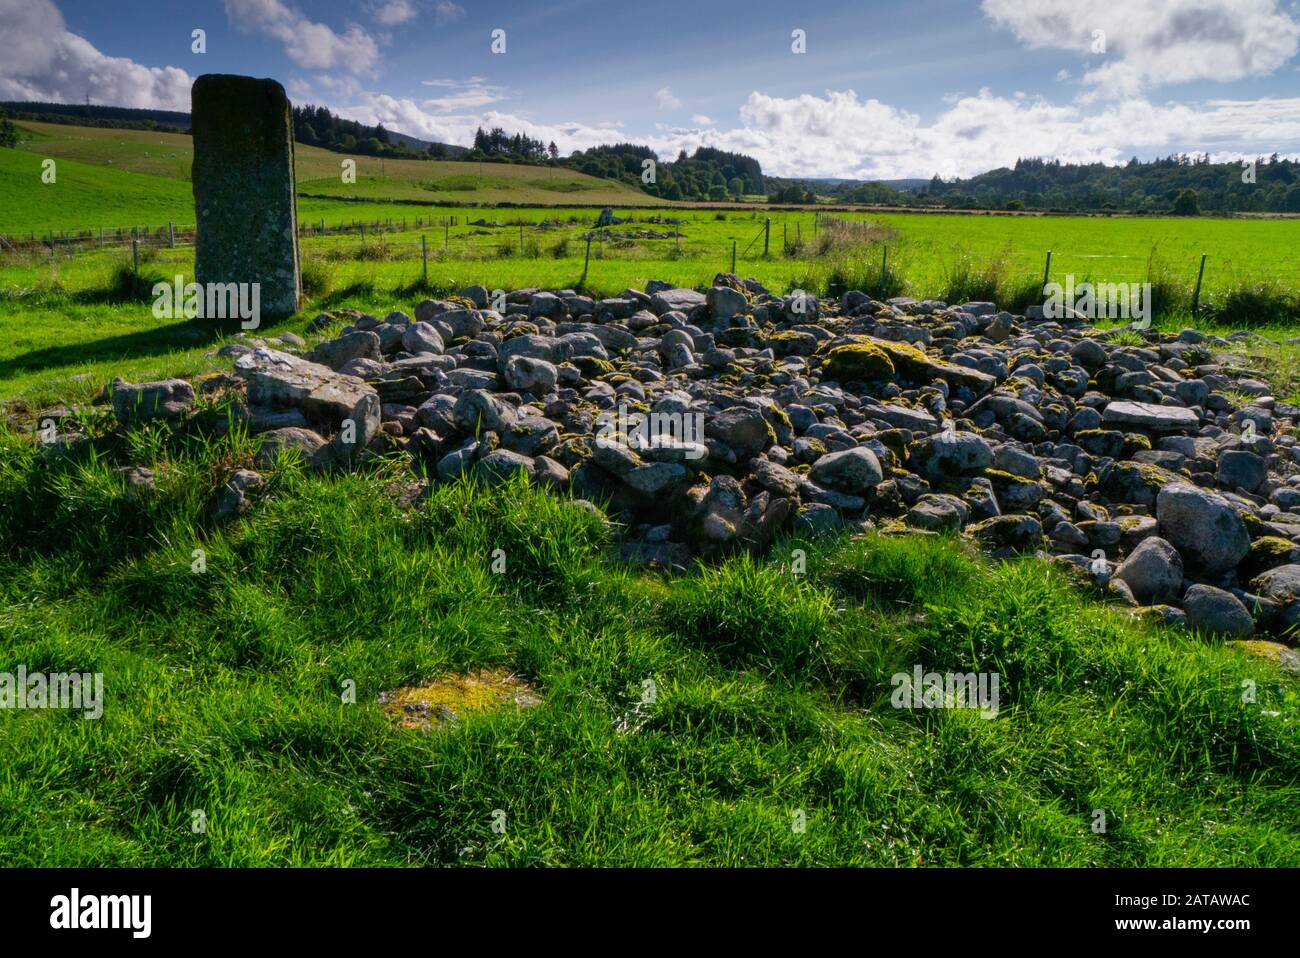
x: 451, y: 697
x: 861, y: 362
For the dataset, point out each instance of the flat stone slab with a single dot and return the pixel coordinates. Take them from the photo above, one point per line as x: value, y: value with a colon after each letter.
x: 682, y: 300
x: 281, y: 380
x: 1145, y: 415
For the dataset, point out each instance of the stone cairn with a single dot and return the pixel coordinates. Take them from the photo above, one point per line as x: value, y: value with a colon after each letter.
x: 1153, y: 464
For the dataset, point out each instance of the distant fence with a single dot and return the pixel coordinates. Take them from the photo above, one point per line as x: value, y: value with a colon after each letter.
x: 173, y: 234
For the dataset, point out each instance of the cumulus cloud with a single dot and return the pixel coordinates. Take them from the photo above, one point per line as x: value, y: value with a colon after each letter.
x: 311, y: 45
x: 43, y: 61
x: 841, y: 135
x: 445, y: 12
x: 1139, y: 44
x: 414, y: 118
x: 700, y: 119
x: 394, y: 12
x: 665, y: 99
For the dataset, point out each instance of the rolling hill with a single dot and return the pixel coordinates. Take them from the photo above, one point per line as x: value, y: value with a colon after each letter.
x: 113, y: 177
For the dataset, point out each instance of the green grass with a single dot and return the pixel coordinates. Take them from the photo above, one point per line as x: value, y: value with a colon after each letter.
x: 118, y: 157
x: 223, y: 692
x: 83, y: 196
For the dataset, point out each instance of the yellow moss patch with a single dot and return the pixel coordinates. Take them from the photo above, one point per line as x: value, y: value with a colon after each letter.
x: 860, y: 362
x: 452, y: 697
x: 1284, y: 658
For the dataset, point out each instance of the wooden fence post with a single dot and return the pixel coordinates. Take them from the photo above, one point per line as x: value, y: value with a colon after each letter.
x: 1047, y: 269
x: 1196, y: 296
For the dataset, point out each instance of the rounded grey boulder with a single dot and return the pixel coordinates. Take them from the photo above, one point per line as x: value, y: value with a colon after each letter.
x: 1202, y: 526
x: 851, y: 470
x: 1153, y: 572
x: 1216, y: 611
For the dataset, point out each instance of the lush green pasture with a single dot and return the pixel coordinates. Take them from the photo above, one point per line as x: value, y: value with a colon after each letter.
x: 1103, y: 249
x: 170, y: 155
x: 771, y: 707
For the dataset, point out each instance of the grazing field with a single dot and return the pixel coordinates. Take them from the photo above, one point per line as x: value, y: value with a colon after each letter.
x: 65, y: 316
x: 169, y: 155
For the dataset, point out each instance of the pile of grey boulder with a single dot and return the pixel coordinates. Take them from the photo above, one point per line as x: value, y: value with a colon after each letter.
x: 1154, y: 464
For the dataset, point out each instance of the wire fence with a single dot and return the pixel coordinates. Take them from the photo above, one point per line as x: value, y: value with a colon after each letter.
x: 472, y: 236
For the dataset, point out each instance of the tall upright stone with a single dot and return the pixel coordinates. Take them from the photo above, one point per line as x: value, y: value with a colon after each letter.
x: 243, y: 179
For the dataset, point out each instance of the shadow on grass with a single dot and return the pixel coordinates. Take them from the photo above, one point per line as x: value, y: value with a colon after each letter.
x: 150, y: 342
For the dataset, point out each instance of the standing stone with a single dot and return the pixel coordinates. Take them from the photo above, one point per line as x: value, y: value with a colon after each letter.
x: 244, y: 200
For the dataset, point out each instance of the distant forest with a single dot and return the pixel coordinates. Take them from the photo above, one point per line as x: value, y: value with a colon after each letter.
x: 1181, y: 183
x: 706, y: 174
x: 1271, y: 185
x: 317, y: 126
x: 110, y: 117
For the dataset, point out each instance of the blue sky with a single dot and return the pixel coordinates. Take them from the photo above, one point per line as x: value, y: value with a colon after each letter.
x: 887, y: 89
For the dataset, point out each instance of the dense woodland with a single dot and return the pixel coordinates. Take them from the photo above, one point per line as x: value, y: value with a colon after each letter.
x: 108, y: 117
x: 1182, y: 183
x: 706, y: 174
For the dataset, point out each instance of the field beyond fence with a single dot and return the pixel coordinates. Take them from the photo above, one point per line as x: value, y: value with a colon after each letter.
x: 1251, y: 271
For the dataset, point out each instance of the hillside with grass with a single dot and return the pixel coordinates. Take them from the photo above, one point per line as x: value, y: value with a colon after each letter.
x: 168, y: 156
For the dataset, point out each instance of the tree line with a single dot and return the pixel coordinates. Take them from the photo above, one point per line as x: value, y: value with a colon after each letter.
x: 1182, y: 183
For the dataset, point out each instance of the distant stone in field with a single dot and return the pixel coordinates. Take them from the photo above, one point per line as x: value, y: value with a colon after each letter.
x: 243, y: 180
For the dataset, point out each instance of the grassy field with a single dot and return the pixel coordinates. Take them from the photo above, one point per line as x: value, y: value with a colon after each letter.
x: 66, y: 328
x: 168, y: 156
x: 224, y: 692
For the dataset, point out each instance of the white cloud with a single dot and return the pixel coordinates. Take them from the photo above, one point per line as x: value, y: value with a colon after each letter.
x: 467, y: 94
x: 815, y: 136
x: 445, y: 12
x: 1149, y: 43
x: 823, y: 136
x: 700, y: 119
x: 43, y: 61
x: 311, y: 45
x: 666, y: 101
x: 393, y: 12
x: 408, y: 116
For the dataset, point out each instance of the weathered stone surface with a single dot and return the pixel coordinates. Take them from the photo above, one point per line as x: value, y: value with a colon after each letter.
x: 346, y: 405
x: 1153, y: 572
x: 680, y: 300
x: 308, y: 445
x: 1149, y: 416
x: 853, y: 470
x: 1217, y: 612
x: 334, y: 353
x: 244, y: 192
x: 1202, y: 526
x: 236, y: 497
x: 165, y: 399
